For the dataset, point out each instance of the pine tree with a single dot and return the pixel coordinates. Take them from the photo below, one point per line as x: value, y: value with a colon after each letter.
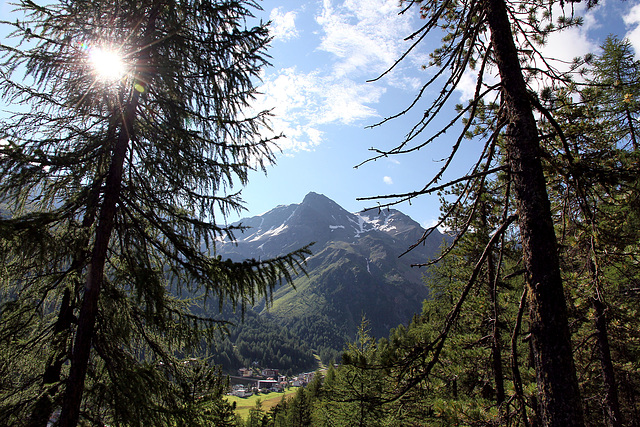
x: 616, y: 85
x: 299, y: 410
x: 594, y: 177
x: 469, y: 323
x: 113, y: 193
x: 257, y: 417
x: 353, y: 392
x: 501, y: 38
x: 442, y: 361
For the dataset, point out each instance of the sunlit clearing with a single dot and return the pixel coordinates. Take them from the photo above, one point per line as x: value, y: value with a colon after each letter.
x: 107, y: 64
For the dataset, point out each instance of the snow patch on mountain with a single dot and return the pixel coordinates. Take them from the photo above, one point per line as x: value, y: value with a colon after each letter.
x: 317, y: 219
x: 384, y: 221
x: 290, y: 216
x: 360, y: 222
x: 269, y: 233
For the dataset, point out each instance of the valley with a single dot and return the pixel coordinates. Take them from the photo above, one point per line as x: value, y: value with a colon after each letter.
x: 354, y: 273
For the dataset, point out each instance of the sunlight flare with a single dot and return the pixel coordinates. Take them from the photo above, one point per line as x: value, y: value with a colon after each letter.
x: 107, y: 64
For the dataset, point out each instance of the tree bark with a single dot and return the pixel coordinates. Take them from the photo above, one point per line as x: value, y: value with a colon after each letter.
x: 496, y: 347
x: 43, y: 408
x: 612, y: 404
x: 559, y: 396
x: 95, y: 275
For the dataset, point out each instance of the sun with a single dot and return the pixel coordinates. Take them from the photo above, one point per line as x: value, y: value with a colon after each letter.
x: 107, y: 64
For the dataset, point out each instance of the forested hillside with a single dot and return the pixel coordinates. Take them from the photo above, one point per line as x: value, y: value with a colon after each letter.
x: 354, y: 272
x: 257, y: 341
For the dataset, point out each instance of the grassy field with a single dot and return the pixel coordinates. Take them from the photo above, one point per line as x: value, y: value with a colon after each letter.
x: 244, y: 404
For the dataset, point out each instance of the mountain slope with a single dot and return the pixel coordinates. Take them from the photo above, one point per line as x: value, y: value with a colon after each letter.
x: 354, y: 270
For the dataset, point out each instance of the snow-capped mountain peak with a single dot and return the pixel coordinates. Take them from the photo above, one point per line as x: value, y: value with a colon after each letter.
x: 317, y: 219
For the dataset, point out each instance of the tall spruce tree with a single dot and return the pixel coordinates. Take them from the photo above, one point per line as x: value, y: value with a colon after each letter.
x: 501, y: 38
x: 616, y: 84
x: 593, y: 174
x: 353, y: 391
x: 114, y: 189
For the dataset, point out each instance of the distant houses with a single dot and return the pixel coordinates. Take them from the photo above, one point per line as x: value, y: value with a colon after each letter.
x: 245, y: 372
x: 302, y: 379
x: 251, y: 380
x: 256, y: 373
x: 270, y: 373
x: 240, y: 391
x: 269, y: 385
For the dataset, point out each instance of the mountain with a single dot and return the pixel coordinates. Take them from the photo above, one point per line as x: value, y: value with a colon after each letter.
x: 355, y: 269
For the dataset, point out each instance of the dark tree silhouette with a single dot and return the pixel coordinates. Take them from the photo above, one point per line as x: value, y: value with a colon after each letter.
x: 501, y: 38
x: 113, y: 191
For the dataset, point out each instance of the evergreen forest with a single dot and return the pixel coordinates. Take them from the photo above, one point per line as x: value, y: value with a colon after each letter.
x: 116, y: 310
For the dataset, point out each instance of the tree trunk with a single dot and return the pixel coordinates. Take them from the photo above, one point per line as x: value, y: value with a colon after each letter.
x: 95, y: 275
x: 43, y: 408
x: 496, y: 347
x: 559, y: 396
x: 612, y: 405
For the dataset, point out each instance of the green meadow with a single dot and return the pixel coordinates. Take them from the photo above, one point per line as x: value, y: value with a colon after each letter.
x: 269, y: 400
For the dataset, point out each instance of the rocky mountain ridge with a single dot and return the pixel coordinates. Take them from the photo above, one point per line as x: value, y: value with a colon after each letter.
x: 354, y: 271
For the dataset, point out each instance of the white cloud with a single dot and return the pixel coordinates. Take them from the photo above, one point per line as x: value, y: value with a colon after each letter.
x: 387, y: 180
x: 294, y: 98
x: 432, y: 223
x: 283, y: 25
x: 564, y: 46
x: 572, y: 42
x: 302, y: 102
x: 632, y: 21
x: 429, y: 224
x: 469, y: 81
x: 315, y: 135
x: 362, y: 39
x: 346, y: 102
x: 366, y: 36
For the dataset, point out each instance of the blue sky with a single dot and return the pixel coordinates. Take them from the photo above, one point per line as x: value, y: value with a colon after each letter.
x: 323, y: 53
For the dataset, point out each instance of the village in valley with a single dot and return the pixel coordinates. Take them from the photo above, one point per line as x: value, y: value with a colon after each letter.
x: 250, y: 381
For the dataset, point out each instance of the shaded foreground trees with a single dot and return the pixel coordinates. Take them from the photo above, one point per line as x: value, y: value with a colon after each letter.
x: 501, y: 38
x: 113, y: 191
x: 593, y: 174
x: 469, y: 358
x: 551, y: 341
